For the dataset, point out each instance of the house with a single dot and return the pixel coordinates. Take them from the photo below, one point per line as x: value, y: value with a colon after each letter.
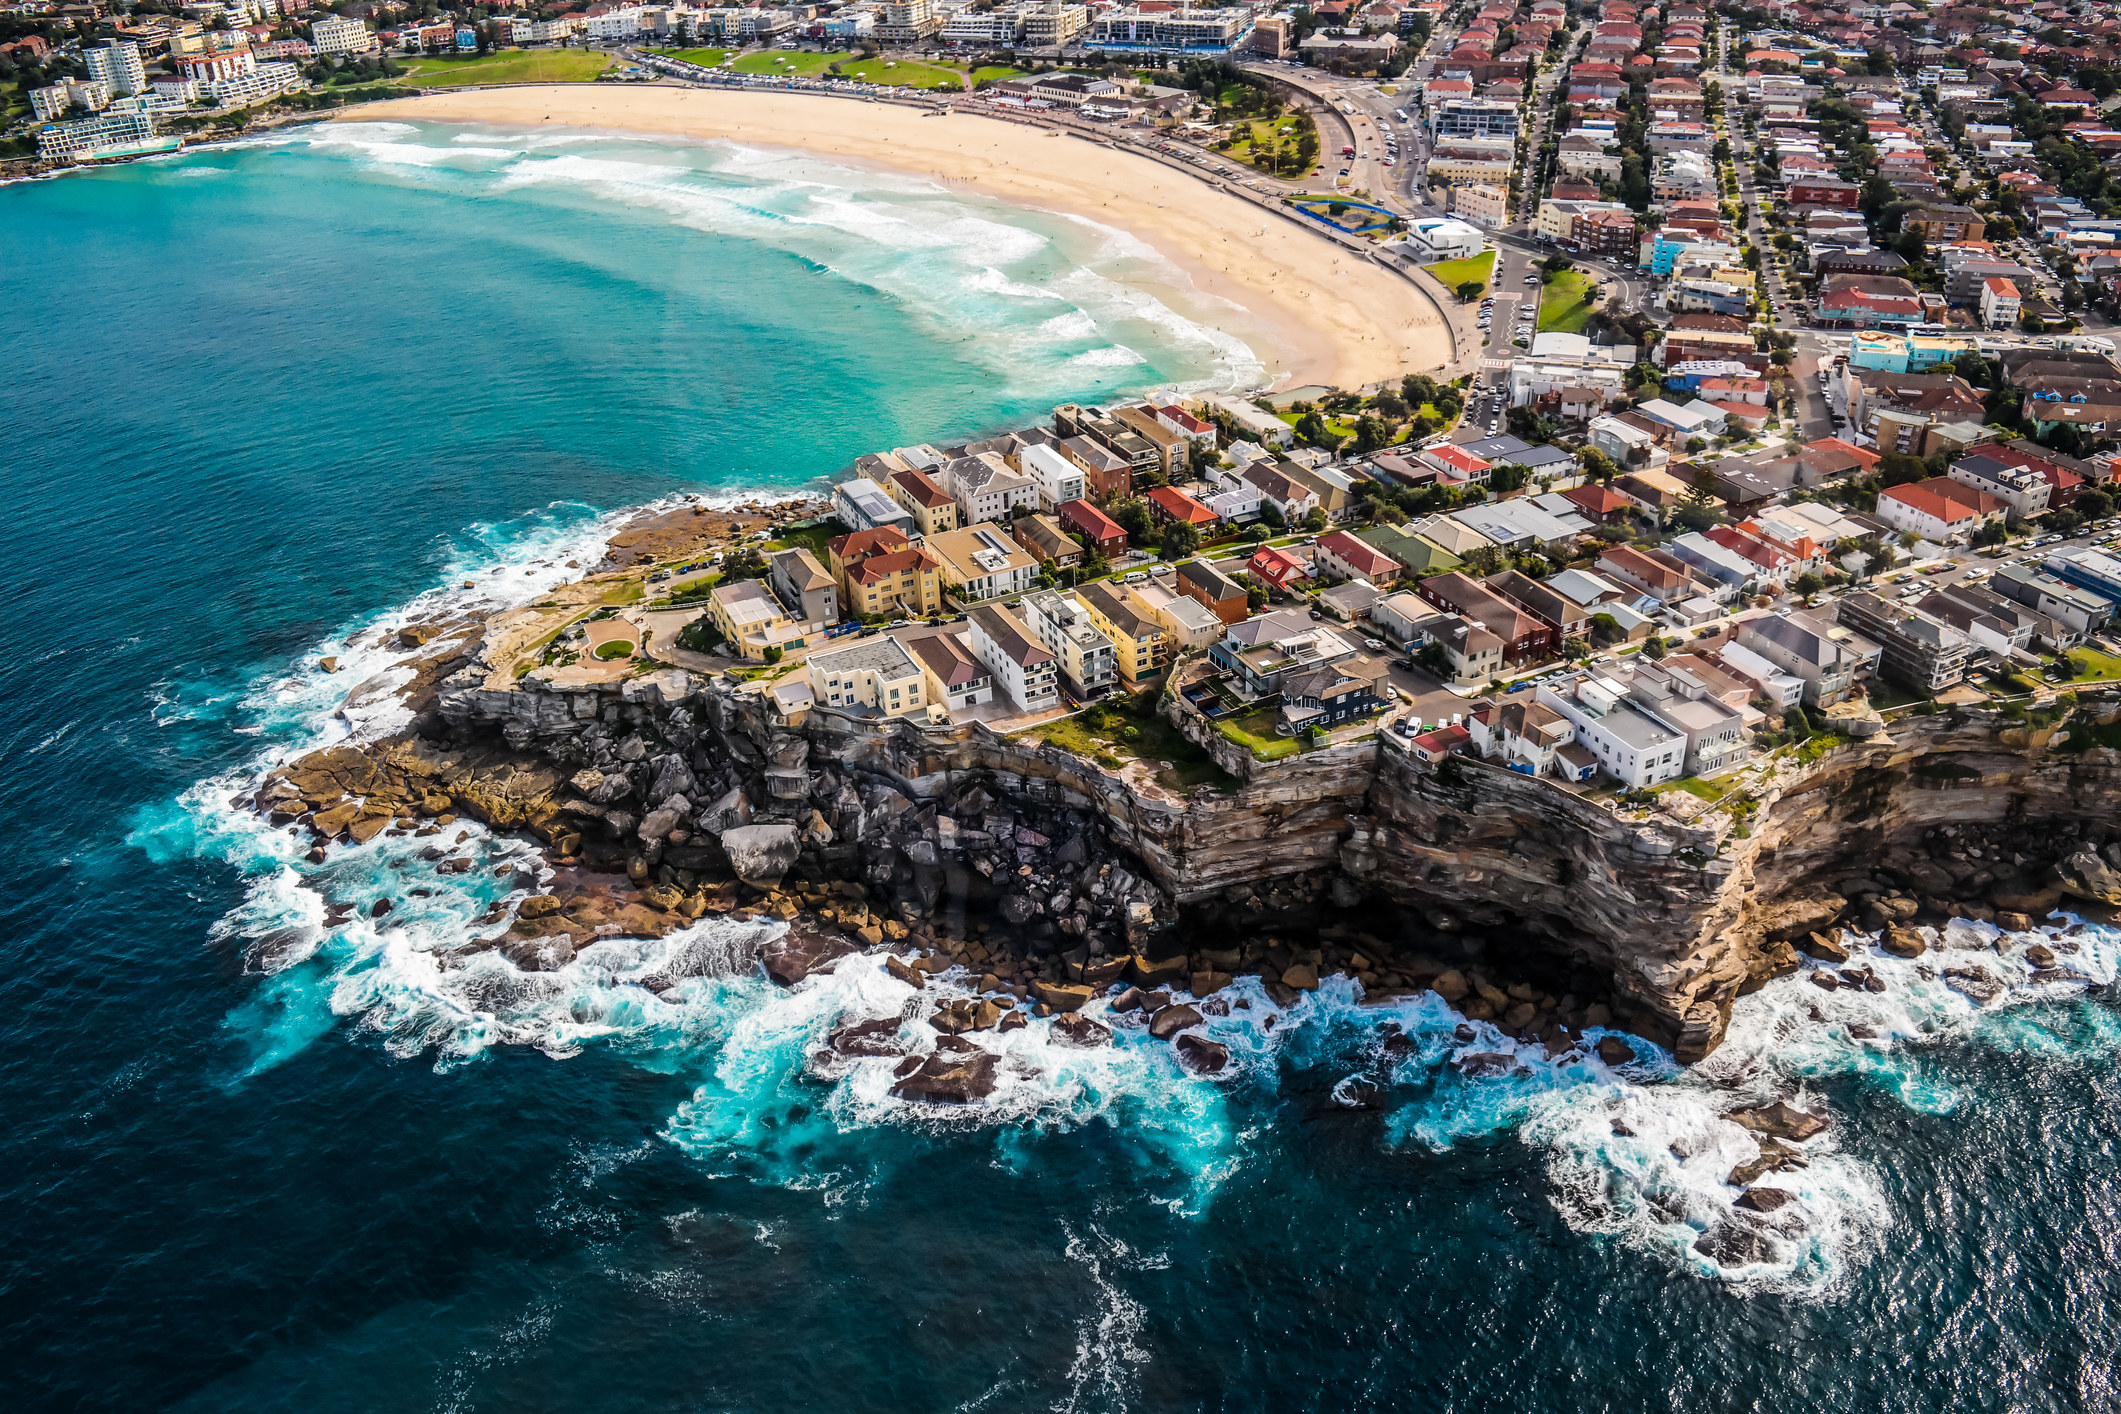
x: 1917, y: 650
x: 804, y: 586
x: 863, y: 504
x: 1258, y: 652
x: 1022, y: 666
x: 1523, y: 637
x: 1632, y: 747
x: 1347, y: 602
x: 1414, y: 554
x: 1348, y: 557
x: 1940, y: 509
x: 2069, y: 606
x: 1099, y: 532
x: 1046, y: 541
x: 1528, y: 737
x: 981, y: 562
x: 1292, y: 500
x: 1545, y: 603
x: 1332, y: 693
x: 1276, y: 568
x: 1142, y: 646
x: 985, y: 489
x: 1724, y: 572
x: 1105, y: 472
x: 1433, y: 746
x: 1779, y: 689
x: 874, y: 673
x: 1058, y: 479
x: 1692, y: 697
x: 1186, y: 623
x: 1601, y: 504
x: 2000, y: 304
x: 1662, y: 581
x: 955, y: 678
x: 1695, y: 419
x: 1827, y: 657
x: 1518, y: 524
x: 931, y: 507
x: 2023, y: 491
x: 1214, y: 591
x: 752, y: 620
x: 1063, y: 625
x: 881, y: 573
x: 1456, y: 466
x: 1170, y: 506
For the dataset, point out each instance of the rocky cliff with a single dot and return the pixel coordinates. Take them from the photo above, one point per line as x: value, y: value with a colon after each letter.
x: 1539, y: 907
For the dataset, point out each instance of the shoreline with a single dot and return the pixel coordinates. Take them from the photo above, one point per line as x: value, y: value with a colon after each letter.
x: 1312, y: 312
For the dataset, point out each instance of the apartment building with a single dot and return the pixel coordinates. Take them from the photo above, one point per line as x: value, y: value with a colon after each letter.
x: 882, y: 574
x: 864, y: 505
x: 1046, y: 541
x: 953, y: 675
x: 1921, y: 652
x: 1057, y: 479
x: 1142, y: 646
x: 985, y: 489
x: 1941, y: 509
x: 1635, y: 749
x: 874, y: 673
x: 1214, y: 591
x: 748, y: 615
x: 982, y: 562
x: 1023, y: 668
x: 1829, y: 658
x: 805, y: 587
x: 932, y: 508
x: 1082, y: 652
x: 2023, y: 492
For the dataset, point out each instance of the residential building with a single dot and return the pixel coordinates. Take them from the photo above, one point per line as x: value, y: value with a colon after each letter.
x: 1100, y: 533
x: 932, y: 508
x: 1343, y: 555
x: 1046, y: 541
x: 1659, y: 578
x: 1186, y: 623
x: 1828, y: 657
x: 1082, y: 652
x: 874, y: 673
x: 2088, y: 569
x: 333, y: 35
x: 1684, y: 696
x: 1625, y: 442
x: 953, y: 675
x: 1332, y: 694
x: 1918, y: 651
x: 1291, y: 499
x: 2069, y: 605
x: 1529, y: 737
x: 1779, y: 689
x: 1941, y: 510
x: 752, y: 620
x: 985, y: 489
x: 1214, y: 591
x: 1437, y: 239
x: 1482, y: 204
x: 1545, y: 602
x: 1993, y: 622
x: 2023, y: 492
x: 805, y: 587
x: 1277, y: 568
x: 861, y: 504
x: 1168, y: 506
x: 1259, y: 651
x: 1635, y: 749
x: 116, y: 65
x: 1023, y: 668
x: 1523, y: 637
x: 2000, y: 304
x: 981, y: 562
x: 1142, y: 646
x: 1058, y: 479
x: 881, y: 573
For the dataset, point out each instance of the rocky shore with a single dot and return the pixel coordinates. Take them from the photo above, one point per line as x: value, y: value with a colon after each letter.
x: 1052, y: 879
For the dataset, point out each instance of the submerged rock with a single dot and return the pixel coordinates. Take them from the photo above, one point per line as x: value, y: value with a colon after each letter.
x: 1765, y: 1200
x: 1729, y: 1245
x: 1201, y: 1056
x: 1774, y: 1157
x: 949, y: 1078
x: 1075, y: 1029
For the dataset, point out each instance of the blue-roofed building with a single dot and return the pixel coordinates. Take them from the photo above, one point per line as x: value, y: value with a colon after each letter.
x: 2088, y: 569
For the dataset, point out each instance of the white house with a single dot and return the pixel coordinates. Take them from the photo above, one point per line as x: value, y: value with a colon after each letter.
x: 876, y: 673
x: 1631, y: 747
x: 1023, y: 667
x: 1445, y: 239
x: 1057, y: 479
x: 985, y: 489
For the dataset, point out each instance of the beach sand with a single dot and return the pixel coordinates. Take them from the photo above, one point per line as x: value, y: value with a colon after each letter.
x: 1314, y: 312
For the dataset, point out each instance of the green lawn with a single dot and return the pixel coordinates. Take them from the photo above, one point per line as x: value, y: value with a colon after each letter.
x: 1124, y: 736
x: 510, y: 66
x: 903, y: 73
x: 1255, y: 732
x: 995, y: 73
x: 1565, y: 305
x: 1453, y: 273
x: 2095, y: 666
x: 787, y: 62
x: 705, y: 58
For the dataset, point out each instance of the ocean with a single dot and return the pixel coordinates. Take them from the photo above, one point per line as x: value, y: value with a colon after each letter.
x: 271, y: 399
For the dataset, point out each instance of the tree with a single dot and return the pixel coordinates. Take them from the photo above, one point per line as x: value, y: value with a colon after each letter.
x: 1133, y: 517
x: 1695, y: 446
x: 1180, y: 540
x: 1315, y: 521
x: 1899, y: 469
x: 1470, y: 290
x: 1992, y: 533
x: 1808, y: 583
x: 1510, y: 476
x: 1484, y: 560
x: 1255, y: 596
x: 2093, y: 504
x: 1371, y: 433
x: 1654, y: 647
x: 1597, y: 465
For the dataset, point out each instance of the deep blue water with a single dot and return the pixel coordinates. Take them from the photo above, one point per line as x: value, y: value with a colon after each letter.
x: 261, y: 399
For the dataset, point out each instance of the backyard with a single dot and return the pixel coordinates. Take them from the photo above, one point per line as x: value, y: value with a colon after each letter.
x: 1255, y: 732
x: 1567, y: 302
x: 1453, y: 273
x: 510, y: 66
x: 1112, y: 737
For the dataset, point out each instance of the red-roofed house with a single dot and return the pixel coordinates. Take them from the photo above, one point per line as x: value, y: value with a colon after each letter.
x: 1099, y: 531
x: 1940, y: 510
x: 1432, y: 747
x: 1457, y: 466
x: 1168, y: 505
x: 1275, y: 567
x: 1773, y: 563
x: 2063, y: 484
x: 1342, y: 554
x: 1601, y: 503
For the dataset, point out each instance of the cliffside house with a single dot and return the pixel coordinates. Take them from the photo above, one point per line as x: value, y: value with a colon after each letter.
x: 876, y: 674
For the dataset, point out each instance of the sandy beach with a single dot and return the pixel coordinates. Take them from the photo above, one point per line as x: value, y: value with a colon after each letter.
x: 1314, y: 312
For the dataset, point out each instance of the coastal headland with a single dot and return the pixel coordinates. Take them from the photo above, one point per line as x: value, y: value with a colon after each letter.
x: 1314, y: 311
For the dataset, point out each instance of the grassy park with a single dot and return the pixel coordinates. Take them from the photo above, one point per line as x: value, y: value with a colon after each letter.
x: 1566, y: 303
x: 510, y: 66
x: 1453, y: 273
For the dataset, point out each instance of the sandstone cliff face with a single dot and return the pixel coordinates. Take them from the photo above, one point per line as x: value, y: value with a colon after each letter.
x: 1951, y: 813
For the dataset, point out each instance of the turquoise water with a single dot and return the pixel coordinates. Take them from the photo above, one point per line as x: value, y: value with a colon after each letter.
x: 269, y: 399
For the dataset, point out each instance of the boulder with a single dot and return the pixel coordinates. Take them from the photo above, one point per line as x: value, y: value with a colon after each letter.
x: 1154, y: 972
x: 1779, y: 1120
x: 762, y: 854
x: 1172, y: 1020
x: 1073, y: 1029
x: 660, y: 822
x: 1729, y: 1245
x: 1774, y: 1157
x: 1129, y: 1000
x: 1451, y: 986
x: 1018, y: 909
x: 949, y: 1078
x: 868, y: 1038
x: 2011, y: 922
x: 1973, y: 982
x: 1902, y: 942
x: 1202, y: 1056
x: 1485, y: 1063
x: 1820, y: 946
x: 538, y: 906
x: 911, y: 976
x: 1765, y: 1200
x: 1062, y: 997
x: 2086, y: 875
x: 1824, y: 981
x: 799, y: 952
x: 1303, y: 977
x: 1614, y: 1051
